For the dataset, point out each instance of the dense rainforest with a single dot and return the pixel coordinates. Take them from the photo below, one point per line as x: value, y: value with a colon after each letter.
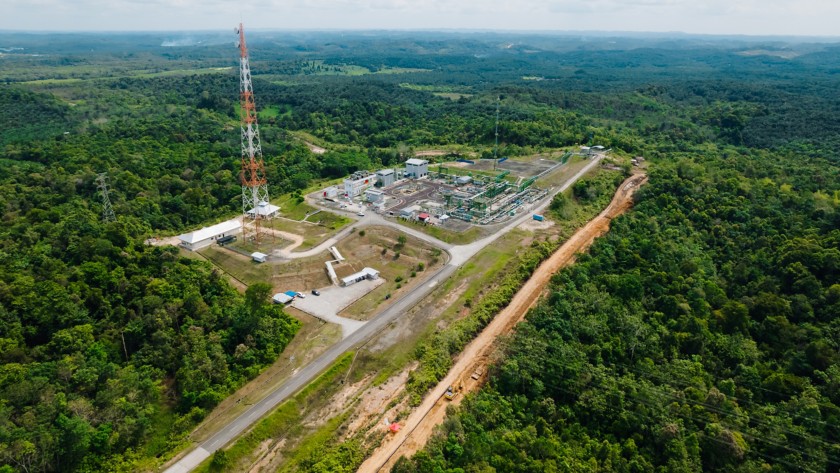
x: 701, y: 333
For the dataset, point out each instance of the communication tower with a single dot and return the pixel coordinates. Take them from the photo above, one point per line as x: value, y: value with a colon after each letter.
x: 256, y: 206
x: 496, y: 147
x: 102, y: 185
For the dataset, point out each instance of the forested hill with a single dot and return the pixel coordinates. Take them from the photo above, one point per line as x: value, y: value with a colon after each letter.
x: 701, y: 334
x: 726, y: 273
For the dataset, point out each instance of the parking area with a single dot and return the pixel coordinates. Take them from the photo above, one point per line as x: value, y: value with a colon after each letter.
x: 334, y: 299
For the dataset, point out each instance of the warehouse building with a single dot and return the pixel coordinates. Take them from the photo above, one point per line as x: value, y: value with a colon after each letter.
x: 206, y: 236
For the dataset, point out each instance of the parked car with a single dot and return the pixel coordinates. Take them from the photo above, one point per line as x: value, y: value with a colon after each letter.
x: 315, y: 292
x: 301, y: 295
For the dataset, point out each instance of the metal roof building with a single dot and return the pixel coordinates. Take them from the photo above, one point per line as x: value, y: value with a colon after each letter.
x: 282, y: 298
x: 366, y: 273
x: 264, y: 209
x: 206, y: 236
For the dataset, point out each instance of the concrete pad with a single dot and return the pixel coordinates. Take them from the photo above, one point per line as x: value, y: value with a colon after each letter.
x: 334, y: 299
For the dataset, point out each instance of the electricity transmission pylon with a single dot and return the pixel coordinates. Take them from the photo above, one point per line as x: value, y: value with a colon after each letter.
x: 255, y: 201
x: 102, y: 185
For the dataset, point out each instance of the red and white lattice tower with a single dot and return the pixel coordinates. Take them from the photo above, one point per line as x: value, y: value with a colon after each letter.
x: 256, y: 206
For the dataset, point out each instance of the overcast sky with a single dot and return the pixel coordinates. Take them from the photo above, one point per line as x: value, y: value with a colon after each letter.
x: 751, y: 17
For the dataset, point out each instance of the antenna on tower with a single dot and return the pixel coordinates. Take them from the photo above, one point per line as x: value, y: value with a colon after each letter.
x: 496, y: 147
x: 256, y: 206
x: 102, y: 185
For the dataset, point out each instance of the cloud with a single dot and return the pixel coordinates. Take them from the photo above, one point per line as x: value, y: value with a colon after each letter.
x: 806, y: 17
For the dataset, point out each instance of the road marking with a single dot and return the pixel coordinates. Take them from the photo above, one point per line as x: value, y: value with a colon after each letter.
x: 433, y: 283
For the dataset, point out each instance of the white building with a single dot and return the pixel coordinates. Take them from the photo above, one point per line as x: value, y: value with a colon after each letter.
x: 416, y: 168
x: 259, y: 257
x: 366, y: 273
x: 206, y: 236
x: 385, y: 177
x: 373, y: 195
x: 264, y: 209
x: 410, y: 212
x: 331, y: 192
x: 358, y: 182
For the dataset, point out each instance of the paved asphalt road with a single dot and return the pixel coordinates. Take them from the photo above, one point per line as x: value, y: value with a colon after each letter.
x: 459, y: 255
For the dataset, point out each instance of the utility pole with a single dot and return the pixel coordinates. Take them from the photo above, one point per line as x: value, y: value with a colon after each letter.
x: 102, y: 185
x: 255, y: 201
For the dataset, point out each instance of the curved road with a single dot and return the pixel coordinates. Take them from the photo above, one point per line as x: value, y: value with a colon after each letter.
x: 459, y: 255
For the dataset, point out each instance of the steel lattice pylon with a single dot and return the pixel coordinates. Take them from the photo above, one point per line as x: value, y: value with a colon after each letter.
x: 102, y: 185
x: 255, y: 199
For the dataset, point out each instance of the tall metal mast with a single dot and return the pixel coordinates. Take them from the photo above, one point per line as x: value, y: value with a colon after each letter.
x: 496, y: 147
x: 255, y: 200
x: 102, y: 185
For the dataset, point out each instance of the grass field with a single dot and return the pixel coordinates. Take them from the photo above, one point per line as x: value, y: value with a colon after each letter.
x: 239, y: 266
x: 456, y: 238
x: 376, y: 249
x: 560, y: 176
x: 285, y: 421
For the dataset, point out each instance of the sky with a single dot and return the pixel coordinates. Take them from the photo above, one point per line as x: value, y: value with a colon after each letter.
x: 743, y: 17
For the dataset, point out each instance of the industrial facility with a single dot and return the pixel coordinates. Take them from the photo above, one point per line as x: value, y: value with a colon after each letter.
x: 358, y: 182
x: 467, y: 191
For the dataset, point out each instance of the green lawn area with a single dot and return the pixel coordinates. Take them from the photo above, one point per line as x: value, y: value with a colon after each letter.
x: 561, y: 175
x: 291, y: 208
x: 313, y: 234
x: 239, y: 266
x: 449, y: 236
x: 376, y: 249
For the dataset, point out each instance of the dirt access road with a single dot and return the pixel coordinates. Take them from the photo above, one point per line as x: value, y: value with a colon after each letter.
x: 467, y: 373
